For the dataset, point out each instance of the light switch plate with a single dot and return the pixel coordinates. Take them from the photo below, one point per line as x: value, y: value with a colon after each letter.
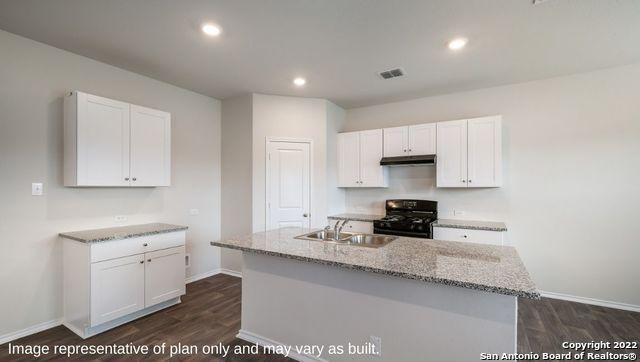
x: 120, y: 218
x: 37, y: 189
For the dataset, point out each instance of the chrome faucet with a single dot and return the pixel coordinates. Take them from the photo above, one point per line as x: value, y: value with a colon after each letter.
x: 337, y: 229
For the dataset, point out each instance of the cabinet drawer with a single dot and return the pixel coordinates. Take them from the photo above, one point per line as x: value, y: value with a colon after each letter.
x: 138, y: 245
x: 470, y: 236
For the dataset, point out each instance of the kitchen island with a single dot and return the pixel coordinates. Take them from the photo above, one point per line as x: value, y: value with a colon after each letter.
x: 417, y: 299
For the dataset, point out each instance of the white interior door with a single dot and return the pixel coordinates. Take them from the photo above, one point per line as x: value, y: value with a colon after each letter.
x: 150, y: 147
x: 371, y: 173
x: 395, y: 141
x: 164, y: 275
x: 349, y: 159
x: 451, y: 163
x: 288, y: 184
x: 117, y: 288
x: 422, y: 139
x: 103, y: 141
x: 485, y: 152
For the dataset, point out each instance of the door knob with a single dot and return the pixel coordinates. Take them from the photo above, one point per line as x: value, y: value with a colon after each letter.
x: 305, y: 215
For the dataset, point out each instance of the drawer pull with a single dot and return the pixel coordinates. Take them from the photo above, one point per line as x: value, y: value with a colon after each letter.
x: 148, y: 260
x: 141, y: 261
x: 145, y: 244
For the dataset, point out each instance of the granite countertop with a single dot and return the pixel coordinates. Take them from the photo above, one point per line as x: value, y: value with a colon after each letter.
x: 470, y: 224
x: 356, y: 217
x: 121, y: 232
x: 491, y: 268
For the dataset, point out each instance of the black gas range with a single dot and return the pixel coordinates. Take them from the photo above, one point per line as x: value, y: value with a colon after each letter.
x: 408, y: 218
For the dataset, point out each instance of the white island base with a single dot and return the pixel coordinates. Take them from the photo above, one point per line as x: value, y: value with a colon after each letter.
x: 292, y: 302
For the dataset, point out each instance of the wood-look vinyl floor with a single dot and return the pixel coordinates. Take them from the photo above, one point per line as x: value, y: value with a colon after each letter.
x: 210, y: 314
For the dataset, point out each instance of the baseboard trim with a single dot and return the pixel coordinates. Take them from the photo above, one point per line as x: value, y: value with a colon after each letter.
x: 30, y: 330
x: 592, y: 301
x: 233, y: 273
x: 195, y: 278
x: 264, y: 341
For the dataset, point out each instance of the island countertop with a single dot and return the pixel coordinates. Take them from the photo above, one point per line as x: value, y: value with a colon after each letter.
x: 491, y: 268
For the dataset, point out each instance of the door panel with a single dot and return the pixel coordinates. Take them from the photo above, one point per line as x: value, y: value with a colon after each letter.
x: 117, y: 288
x: 164, y: 275
x: 103, y: 141
x: 288, y: 185
x: 396, y: 141
x: 485, y: 152
x: 349, y: 159
x: 451, y: 163
x: 371, y: 173
x: 422, y: 139
x: 150, y: 147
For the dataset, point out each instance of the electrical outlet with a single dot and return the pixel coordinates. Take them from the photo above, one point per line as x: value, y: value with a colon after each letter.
x: 120, y: 218
x: 37, y: 189
x: 377, y: 344
x: 459, y: 212
x: 187, y: 260
x: 194, y: 212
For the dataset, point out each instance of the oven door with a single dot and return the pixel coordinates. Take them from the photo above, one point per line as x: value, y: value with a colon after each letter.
x: 411, y: 234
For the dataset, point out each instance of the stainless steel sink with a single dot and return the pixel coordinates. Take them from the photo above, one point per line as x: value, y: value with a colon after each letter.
x: 325, y: 235
x: 366, y: 240
x: 371, y: 241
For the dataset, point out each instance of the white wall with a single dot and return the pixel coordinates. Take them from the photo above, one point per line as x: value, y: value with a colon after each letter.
x: 572, y: 165
x: 33, y: 79
x: 237, y: 129
x: 336, y: 117
x: 290, y: 117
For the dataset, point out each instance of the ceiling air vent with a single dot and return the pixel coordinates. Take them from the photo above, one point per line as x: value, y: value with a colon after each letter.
x: 392, y: 73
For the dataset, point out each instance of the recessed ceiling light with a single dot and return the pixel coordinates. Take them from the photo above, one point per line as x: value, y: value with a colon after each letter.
x: 211, y: 29
x: 457, y: 43
x: 299, y: 81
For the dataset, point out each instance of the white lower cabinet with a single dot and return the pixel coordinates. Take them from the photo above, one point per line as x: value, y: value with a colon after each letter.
x: 110, y: 283
x: 469, y: 236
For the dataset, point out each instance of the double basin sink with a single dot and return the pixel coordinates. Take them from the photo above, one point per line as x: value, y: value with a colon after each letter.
x: 366, y: 240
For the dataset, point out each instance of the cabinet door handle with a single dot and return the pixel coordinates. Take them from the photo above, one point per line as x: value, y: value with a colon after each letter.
x: 134, y: 179
x: 126, y: 179
x: 465, y: 236
x: 149, y: 260
x: 145, y: 244
x: 464, y: 181
x: 141, y: 261
x: 404, y: 150
x: 409, y: 150
x: 469, y: 181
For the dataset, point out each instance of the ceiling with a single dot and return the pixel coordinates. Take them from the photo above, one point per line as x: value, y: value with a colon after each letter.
x: 338, y: 45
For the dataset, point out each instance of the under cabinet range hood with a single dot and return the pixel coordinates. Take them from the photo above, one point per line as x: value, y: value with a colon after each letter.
x: 408, y: 160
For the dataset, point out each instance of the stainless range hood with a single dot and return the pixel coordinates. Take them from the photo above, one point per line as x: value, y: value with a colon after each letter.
x: 408, y: 160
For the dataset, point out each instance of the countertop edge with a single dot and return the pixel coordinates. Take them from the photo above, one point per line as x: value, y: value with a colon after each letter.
x: 369, y: 218
x: 467, y: 285
x: 121, y: 237
x: 469, y: 227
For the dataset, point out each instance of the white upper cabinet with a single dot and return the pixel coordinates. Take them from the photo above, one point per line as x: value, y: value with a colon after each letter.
x: 359, y: 155
x: 396, y: 141
x: 451, y: 162
x: 469, y: 153
x: 413, y: 140
x: 150, y: 147
x: 484, y: 165
x: 113, y: 143
x: 422, y: 139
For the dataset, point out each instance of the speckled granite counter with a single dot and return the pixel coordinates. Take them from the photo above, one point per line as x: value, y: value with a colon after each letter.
x: 121, y: 232
x: 470, y: 224
x: 356, y: 217
x: 490, y: 268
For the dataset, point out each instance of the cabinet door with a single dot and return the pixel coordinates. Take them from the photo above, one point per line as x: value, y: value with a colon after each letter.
x: 395, y: 141
x: 451, y: 163
x: 371, y: 173
x: 102, y: 141
x: 117, y: 288
x: 485, y: 152
x: 422, y: 139
x: 349, y: 159
x: 164, y: 275
x: 150, y: 147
